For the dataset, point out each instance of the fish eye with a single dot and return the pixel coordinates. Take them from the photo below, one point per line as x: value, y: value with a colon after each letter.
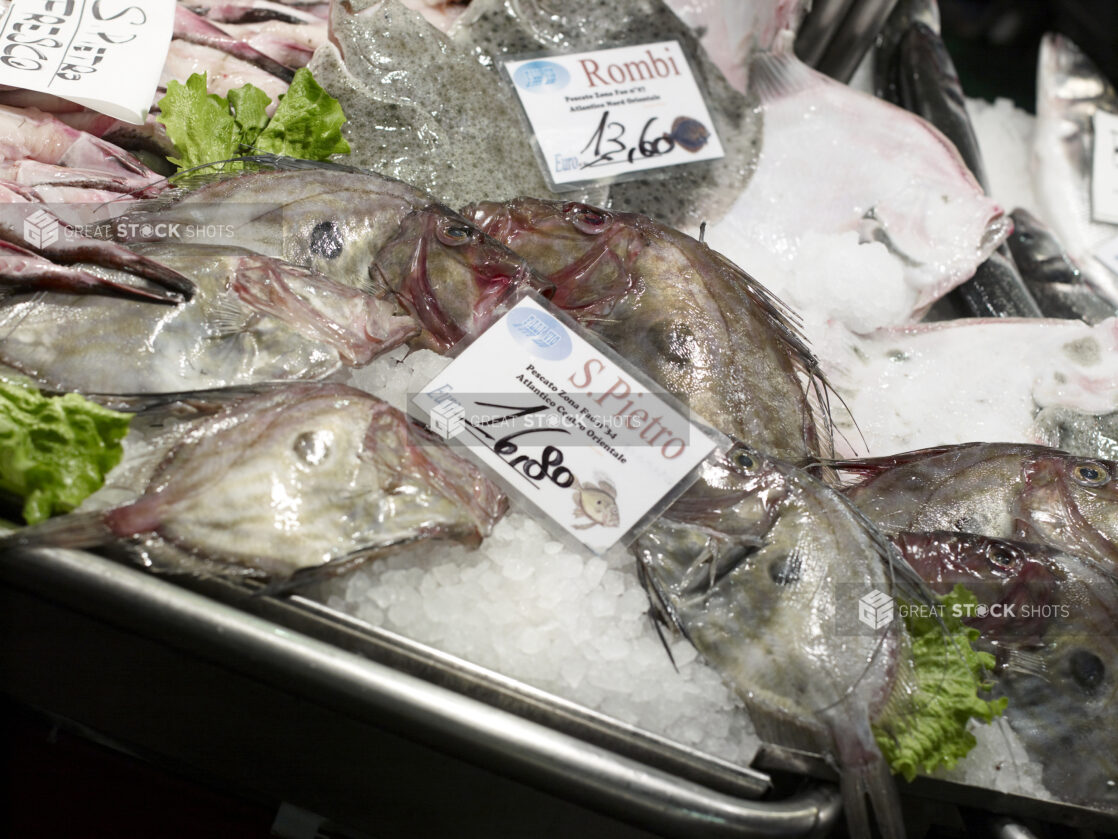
x: 744, y: 460
x: 454, y: 234
x: 1091, y: 473
x: 313, y: 447
x: 1087, y: 669
x: 1002, y: 558
x: 586, y: 218
x: 784, y: 571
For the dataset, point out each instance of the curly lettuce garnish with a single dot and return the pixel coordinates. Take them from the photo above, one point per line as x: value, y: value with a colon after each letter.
x: 950, y: 674
x: 206, y: 127
x: 55, y: 451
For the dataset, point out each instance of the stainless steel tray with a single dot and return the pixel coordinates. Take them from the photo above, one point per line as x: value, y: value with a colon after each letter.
x: 288, y: 697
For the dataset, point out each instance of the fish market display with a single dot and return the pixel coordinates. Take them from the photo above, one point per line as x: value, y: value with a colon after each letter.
x: 1051, y: 616
x: 693, y: 321
x: 1006, y: 490
x: 748, y: 566
x: 776, y: 292
x: 253, y: 319
x: 261, y: 488
x: 1070, y: 91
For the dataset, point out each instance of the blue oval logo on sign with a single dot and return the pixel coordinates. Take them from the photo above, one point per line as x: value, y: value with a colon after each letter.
x: 541, y: 76
x: 541, y: 334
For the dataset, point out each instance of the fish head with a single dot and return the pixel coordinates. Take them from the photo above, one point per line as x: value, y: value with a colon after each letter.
x: 584, y: 251
x: 1016, y: 582
x: 714, y: 528
x: 449, y: 276
x: 1070, y: 502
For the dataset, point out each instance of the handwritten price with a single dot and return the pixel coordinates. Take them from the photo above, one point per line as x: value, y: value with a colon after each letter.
x: 549, y: 466
x: 607, y: 145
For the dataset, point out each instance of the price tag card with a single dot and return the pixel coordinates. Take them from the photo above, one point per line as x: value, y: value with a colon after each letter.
x: 610, y: 113
x: 1104, y: 169
x: 104, y: 54
x: 564, y: 424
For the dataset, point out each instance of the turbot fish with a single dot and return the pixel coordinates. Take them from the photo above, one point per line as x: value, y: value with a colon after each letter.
x: 836, y: 162
x: 914, y: 70
x: 691, y: 194
x: 309, y: 477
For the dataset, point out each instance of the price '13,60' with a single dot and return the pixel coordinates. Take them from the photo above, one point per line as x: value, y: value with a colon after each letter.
x: 608, y: 144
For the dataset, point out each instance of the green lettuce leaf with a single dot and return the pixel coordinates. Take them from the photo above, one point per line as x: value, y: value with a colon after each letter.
x: 206, y: 128
x: 307, y: 122
x: 249, y: 105
x: 55, y: 451
x: 198, y: 123
x: 950, y: 674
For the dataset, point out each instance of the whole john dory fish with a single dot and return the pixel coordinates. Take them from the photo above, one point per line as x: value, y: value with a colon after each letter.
x: 749, y: 565
x: 258, y: 318
x: 296, y: 477
x: 1005, y: 490
x: 697, y: 324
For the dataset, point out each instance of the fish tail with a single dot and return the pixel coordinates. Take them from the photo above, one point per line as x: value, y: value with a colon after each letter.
x: 871, y: 801
x: 73, y: 530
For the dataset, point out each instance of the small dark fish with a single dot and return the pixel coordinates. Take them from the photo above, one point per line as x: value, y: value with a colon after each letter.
x: 1052, y: 619
x: 1006, y: 490
x: 690, y: 133
x: 306, y: 478
x: 696, y: 323
x: 1056, y: 282
x: 847, y: 42
x: 1090, y: 436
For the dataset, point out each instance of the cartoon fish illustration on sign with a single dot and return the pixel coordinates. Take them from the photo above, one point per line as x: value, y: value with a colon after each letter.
x: 597, y: 502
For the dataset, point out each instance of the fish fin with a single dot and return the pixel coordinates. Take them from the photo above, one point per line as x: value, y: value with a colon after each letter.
x: 871, y: 784
x: 784, y: 727
x: 871, y: 466
x: 1026, y: 661
x: 73, y: 530
x: 778, y: 75
x: 229, y: 315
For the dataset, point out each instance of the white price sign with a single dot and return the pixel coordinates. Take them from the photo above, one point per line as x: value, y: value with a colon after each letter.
x: 566, y: 427
x: 104, y: 54
x: 610, y: 113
